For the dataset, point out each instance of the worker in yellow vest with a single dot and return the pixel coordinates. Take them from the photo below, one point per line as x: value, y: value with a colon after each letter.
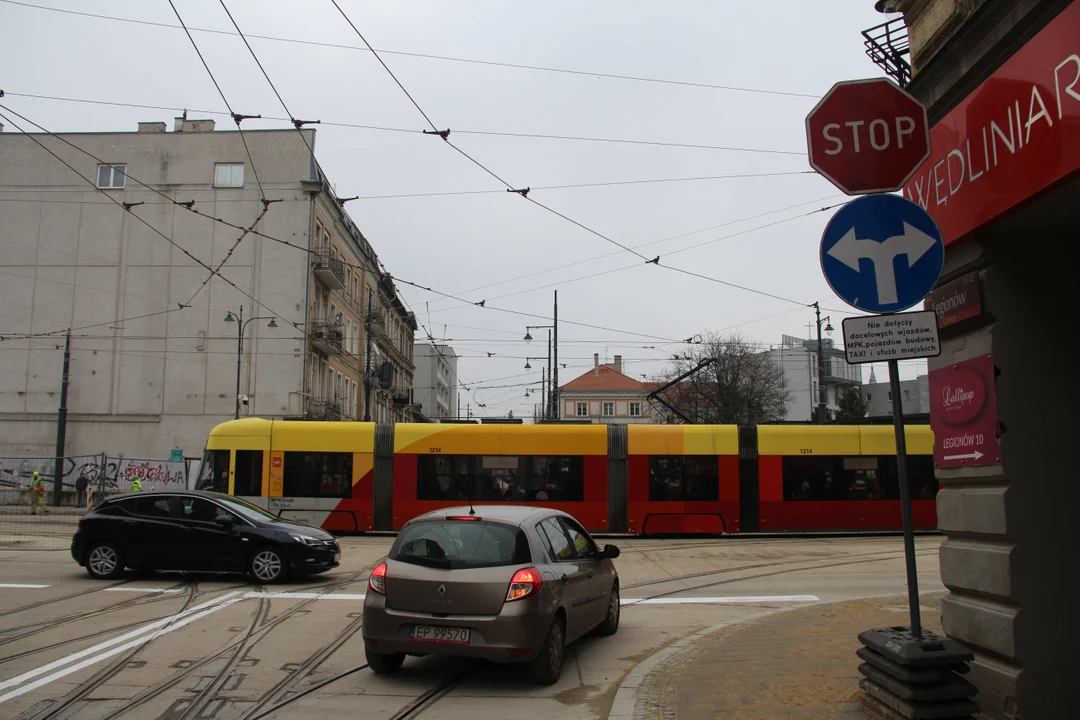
x: 136, y: 485
x: 37, y: 495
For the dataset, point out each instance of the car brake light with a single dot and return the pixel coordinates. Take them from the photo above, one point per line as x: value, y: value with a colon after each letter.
x: 377, y: 581
x: 524, y: 584
x: 463, y: 517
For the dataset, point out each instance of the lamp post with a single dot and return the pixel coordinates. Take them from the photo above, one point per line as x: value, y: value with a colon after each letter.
x: 554, y: 382
x: 821, y: 408
x: 241, y: 325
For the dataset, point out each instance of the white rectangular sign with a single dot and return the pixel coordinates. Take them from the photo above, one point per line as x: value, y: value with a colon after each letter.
x: 901, y: 336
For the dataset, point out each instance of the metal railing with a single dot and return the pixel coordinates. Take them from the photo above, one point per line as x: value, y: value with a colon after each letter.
x: 324, y: 409
x: 327, y: 336
x: 887, y: 45
x: 329, y: 269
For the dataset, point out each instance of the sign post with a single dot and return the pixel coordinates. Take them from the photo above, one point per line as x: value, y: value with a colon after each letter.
x: 884, y: 254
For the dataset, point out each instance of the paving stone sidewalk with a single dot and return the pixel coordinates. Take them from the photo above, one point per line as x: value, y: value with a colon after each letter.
x: 798, y: 664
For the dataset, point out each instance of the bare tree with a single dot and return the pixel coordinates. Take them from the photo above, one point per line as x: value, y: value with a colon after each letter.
x: 740, y: 385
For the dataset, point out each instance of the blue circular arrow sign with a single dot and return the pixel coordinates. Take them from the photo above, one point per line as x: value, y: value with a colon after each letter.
x: 882, y: 253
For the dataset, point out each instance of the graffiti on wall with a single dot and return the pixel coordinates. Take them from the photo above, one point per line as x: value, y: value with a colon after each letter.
x: 103, y: 472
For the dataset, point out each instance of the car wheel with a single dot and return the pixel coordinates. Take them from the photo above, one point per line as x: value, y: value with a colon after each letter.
x: 547, y: 666
x: 382, y: 664
x: 104, y: 560
x: 268, y: 565
x: 614, y: 609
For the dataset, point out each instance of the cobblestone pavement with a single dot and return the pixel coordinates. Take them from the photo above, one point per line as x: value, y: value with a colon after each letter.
x: 798, y: 664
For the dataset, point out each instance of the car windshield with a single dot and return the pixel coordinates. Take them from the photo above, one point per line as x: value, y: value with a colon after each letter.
x: 246, y: 509
x: 458, y: 544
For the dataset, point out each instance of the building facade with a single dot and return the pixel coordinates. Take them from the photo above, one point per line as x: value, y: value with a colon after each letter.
x: 435, y: 383
x: 914, y: 397
x: 1001, y: 84
x: 605, y: 395
x: 798, y: 361
x: 153, y: 286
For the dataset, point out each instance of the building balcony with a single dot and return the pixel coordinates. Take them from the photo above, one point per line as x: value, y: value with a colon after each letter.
x: 327, y: 337
x: 329, y: 270
x: 323, y: 409
x: 401, y: 396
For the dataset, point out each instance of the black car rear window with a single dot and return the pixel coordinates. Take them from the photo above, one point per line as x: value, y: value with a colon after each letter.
x: 456, y: 544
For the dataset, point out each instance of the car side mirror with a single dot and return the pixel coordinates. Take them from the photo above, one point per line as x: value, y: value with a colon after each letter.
x: 610, y: 552
x: 224, y: 521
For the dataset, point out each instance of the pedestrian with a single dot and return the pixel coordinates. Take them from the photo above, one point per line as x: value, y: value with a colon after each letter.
x: 136, y: 485
x: 37, y: 495
x: 80, y: 489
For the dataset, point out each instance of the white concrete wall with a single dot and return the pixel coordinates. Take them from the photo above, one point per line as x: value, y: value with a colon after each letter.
x: 71, y: 258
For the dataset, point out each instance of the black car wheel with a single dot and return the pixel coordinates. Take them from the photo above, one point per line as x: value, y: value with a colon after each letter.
x: 546, y: 667
x: 268, y: 565
x: 611, y: 623
x: 382, y: 664
x: 104, y: 560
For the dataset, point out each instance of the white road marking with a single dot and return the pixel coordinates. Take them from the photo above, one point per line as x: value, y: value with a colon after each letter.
x: 17, y: 585
x: 130, y: 639
x: 306, y: 596
x: 141, y: 589
x: 720, y: 600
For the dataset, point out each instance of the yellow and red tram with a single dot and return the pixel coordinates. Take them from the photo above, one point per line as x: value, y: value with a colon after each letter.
x: 641, y: 479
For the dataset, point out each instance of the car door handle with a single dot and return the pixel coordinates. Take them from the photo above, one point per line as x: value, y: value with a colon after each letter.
x: 129, y: 522
x: 565, y: 579
x: 590, y: 575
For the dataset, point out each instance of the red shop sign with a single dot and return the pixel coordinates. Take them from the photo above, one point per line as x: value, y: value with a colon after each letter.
x: 1014, y: 136
x: 963, y: 414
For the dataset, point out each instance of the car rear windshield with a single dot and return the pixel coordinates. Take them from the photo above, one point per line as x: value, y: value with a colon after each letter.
x: 457, y: 544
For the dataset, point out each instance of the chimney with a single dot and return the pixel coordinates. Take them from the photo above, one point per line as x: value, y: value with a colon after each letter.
x: 596, y: 363
x: 618, y: 363
x: 178, y: 123
x: 151, y: 127
x: 198, y: 126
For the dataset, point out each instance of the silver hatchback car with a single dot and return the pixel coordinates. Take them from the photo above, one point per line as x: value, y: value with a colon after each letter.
x: 503, y: 583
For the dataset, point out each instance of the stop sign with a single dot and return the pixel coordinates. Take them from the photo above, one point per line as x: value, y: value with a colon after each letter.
x: 867, y: 136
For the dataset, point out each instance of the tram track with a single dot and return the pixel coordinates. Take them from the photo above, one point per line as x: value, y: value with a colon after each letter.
x: 240, y: 648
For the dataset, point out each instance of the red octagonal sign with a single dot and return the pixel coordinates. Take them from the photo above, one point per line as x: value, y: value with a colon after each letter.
x: 867, y: 136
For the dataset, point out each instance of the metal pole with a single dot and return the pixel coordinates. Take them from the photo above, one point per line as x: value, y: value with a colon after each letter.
x: 905, y: 500
x: 61, y: 423
x: 547, y: 403
x: 555, y: 366
x: 367, y: 360
x: 821, y: 367
x: 239, y: 353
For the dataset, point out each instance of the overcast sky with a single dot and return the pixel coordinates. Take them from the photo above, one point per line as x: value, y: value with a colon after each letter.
x: 793, y: 49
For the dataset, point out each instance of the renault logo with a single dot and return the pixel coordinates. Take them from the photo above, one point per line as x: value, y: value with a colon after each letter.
x: 442, y: 590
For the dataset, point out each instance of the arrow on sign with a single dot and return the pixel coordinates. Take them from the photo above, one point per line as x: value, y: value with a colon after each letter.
x: 969, y: 456
x: 914, y: 243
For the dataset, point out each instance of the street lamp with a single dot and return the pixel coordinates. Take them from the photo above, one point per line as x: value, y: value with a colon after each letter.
x: 822, y: 402
x: 241, y: 325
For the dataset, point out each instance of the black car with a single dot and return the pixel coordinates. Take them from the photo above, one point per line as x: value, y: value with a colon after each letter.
x: 193, y: 530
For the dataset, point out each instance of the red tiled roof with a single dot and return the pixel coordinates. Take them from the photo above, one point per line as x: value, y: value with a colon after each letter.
x: 608, y: 380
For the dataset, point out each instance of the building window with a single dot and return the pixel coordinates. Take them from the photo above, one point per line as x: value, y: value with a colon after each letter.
x: 111, y: 176
x: 582, y: 409
x: 609, y: 409
x: 229, y: 175
x: 907, y: 394
x: 315, y: 475
x: 635, y: 409
x: 684, y: 477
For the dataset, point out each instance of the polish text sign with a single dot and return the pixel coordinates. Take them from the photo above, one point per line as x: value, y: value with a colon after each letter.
x: 867, y: 136
x: 901, y: 336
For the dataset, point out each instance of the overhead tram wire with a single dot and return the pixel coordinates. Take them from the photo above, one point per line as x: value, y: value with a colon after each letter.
x: 128, y: 208
x: 414, y: 131
x: 237, y: 118
x: 427, y: 56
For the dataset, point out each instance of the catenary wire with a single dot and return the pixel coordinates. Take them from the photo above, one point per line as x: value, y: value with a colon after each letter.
x: 427, y: 56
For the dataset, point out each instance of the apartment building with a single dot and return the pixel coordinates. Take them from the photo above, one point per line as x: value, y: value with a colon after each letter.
x: 605, y: 395
x: 120, y: 250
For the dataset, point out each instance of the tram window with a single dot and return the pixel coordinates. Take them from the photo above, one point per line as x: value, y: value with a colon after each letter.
x: 924, y: 485
x: 512, y: 478
x: 247, y: 480
x: 684, y: 477
x: 316, y: 474
x: 825, y: 477
x: 214, y: 473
